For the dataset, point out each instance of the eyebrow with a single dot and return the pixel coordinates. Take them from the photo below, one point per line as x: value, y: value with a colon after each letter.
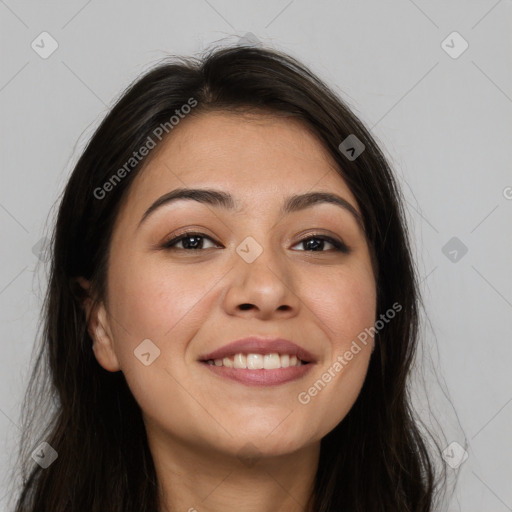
x: 224, y: 200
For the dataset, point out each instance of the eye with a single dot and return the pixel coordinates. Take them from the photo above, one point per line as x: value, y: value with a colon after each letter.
x: 317, y: 243
x: 192, y: 241
x: 189, y: 241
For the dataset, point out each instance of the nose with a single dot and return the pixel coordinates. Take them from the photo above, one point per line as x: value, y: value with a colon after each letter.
x: 263, y: 289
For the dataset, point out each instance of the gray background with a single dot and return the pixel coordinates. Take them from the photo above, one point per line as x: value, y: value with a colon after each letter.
x: 444, y: 123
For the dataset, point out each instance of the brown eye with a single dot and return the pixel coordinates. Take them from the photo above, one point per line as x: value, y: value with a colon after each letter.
x: 189, y: 241
x: 317, y: 243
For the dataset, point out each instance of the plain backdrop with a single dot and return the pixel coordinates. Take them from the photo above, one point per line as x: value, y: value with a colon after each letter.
x: 442, y: 113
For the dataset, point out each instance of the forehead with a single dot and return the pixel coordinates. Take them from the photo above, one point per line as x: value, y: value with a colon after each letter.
x: 258, y: 158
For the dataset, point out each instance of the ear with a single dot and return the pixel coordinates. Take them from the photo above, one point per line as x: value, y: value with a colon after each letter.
x: 98, y: 327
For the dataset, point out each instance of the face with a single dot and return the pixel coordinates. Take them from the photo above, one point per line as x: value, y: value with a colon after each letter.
x: 249, y: 269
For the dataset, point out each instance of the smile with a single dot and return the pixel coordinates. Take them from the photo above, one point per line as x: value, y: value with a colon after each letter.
x: 258, y: 361
x: 259, y: 369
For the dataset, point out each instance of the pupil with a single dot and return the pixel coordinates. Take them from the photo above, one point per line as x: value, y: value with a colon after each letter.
x: 196, y: 241
x: 314, y: 244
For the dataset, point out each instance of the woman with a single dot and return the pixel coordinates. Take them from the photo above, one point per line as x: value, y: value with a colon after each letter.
x: 232, y: 310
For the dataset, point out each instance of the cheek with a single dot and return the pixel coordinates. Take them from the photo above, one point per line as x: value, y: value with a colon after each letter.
x: 151, y: 300
x: 344, y: 306
x: 344, y: 303
x: 165, y: 306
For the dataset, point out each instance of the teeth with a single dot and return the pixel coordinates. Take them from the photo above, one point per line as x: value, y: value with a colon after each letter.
x: 271, y: 361
x: 240, y: 361
x: 257, y: 361
x: 254, y: 361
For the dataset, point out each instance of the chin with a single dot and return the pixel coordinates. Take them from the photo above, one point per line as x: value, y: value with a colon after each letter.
x: 265, y: 443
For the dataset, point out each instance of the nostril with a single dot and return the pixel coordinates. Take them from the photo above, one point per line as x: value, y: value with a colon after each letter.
x: 245, y: 306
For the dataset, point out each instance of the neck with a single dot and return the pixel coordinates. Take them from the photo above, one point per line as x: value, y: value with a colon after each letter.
x: 192, y: 479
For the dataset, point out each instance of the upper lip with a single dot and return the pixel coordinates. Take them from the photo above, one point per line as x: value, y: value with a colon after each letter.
x: 257, y: 345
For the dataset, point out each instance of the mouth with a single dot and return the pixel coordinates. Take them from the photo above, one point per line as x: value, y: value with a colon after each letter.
x: 258, y: 376
x: 260, y: 362
x: 256, y: 361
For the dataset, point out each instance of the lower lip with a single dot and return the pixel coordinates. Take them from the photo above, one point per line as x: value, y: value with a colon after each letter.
x: 261, y: 377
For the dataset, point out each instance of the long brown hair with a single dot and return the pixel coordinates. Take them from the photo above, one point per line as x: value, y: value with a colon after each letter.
x: 376, y: 459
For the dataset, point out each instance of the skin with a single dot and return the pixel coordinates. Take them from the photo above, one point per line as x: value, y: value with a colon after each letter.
x: 199, y: 425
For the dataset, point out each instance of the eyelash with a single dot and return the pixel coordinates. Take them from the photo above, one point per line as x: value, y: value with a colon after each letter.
x: 338, y: 245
